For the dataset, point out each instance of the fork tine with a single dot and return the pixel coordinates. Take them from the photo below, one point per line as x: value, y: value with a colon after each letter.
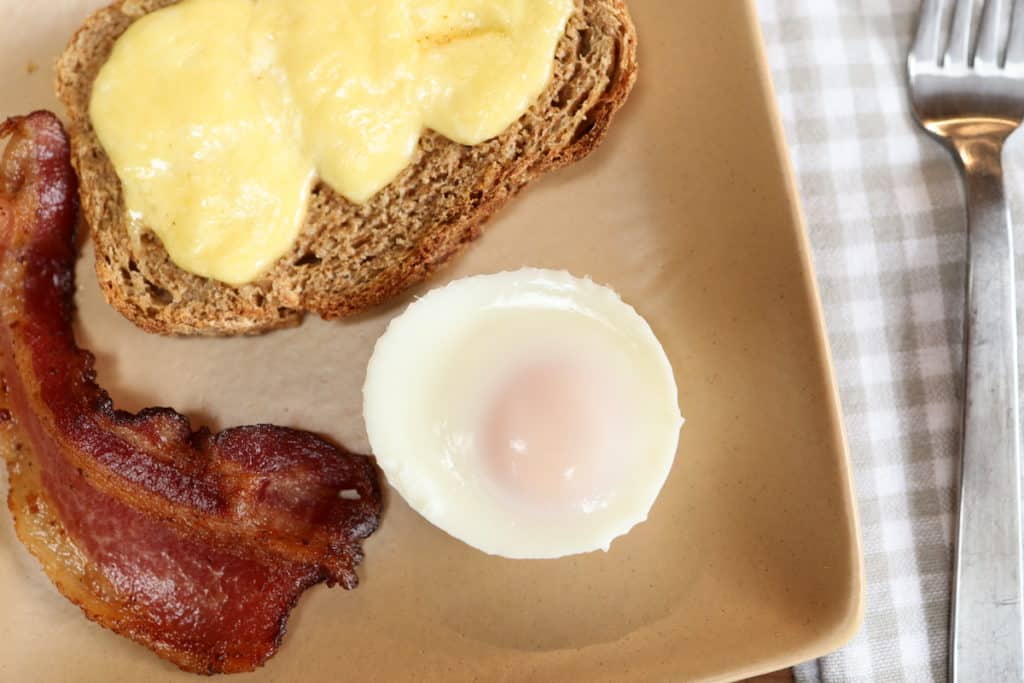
x: 927, y: 47
x: 958, y: 52
x: 990, y: 35
x: 1015, y: 49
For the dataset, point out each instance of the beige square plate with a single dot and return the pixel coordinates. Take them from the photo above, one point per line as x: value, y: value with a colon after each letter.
x: 750, y: 559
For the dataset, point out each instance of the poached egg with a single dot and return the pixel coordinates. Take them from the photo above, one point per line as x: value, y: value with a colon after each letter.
x: 530, y: 414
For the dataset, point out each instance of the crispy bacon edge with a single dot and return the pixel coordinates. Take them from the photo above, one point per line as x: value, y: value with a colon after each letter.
x: 192, y: 544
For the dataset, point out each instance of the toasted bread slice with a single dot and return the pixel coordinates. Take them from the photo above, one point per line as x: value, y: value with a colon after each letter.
x: 348, y: 257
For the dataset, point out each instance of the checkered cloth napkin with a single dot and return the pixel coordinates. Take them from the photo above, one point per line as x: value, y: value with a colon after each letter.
x: 885, y: 212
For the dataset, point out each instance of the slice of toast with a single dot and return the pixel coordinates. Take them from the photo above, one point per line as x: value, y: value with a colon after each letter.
x: 348, y: 257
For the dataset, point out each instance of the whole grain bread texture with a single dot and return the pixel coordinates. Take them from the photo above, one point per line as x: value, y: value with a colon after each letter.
x: 348, y: 257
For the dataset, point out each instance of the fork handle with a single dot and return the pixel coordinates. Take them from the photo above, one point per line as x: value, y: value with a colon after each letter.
x: 987, y: 636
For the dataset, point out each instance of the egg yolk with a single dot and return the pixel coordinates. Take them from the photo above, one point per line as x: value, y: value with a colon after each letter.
x: 554, y: 432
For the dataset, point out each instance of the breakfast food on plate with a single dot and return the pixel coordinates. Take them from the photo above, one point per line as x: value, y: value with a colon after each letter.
x: 529, y: 414
x: 412, y: 122
x: 193, y: 544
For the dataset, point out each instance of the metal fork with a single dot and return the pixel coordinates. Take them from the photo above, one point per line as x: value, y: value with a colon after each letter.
x: 972, y: 100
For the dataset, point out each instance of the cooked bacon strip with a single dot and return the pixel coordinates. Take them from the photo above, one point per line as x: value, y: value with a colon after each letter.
x: 195, y: 545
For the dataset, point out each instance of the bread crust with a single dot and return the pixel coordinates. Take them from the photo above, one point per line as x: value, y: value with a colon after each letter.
x: 348, y: 258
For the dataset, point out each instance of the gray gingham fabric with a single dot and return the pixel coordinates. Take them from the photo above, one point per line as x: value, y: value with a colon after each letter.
x: 885, y: 213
